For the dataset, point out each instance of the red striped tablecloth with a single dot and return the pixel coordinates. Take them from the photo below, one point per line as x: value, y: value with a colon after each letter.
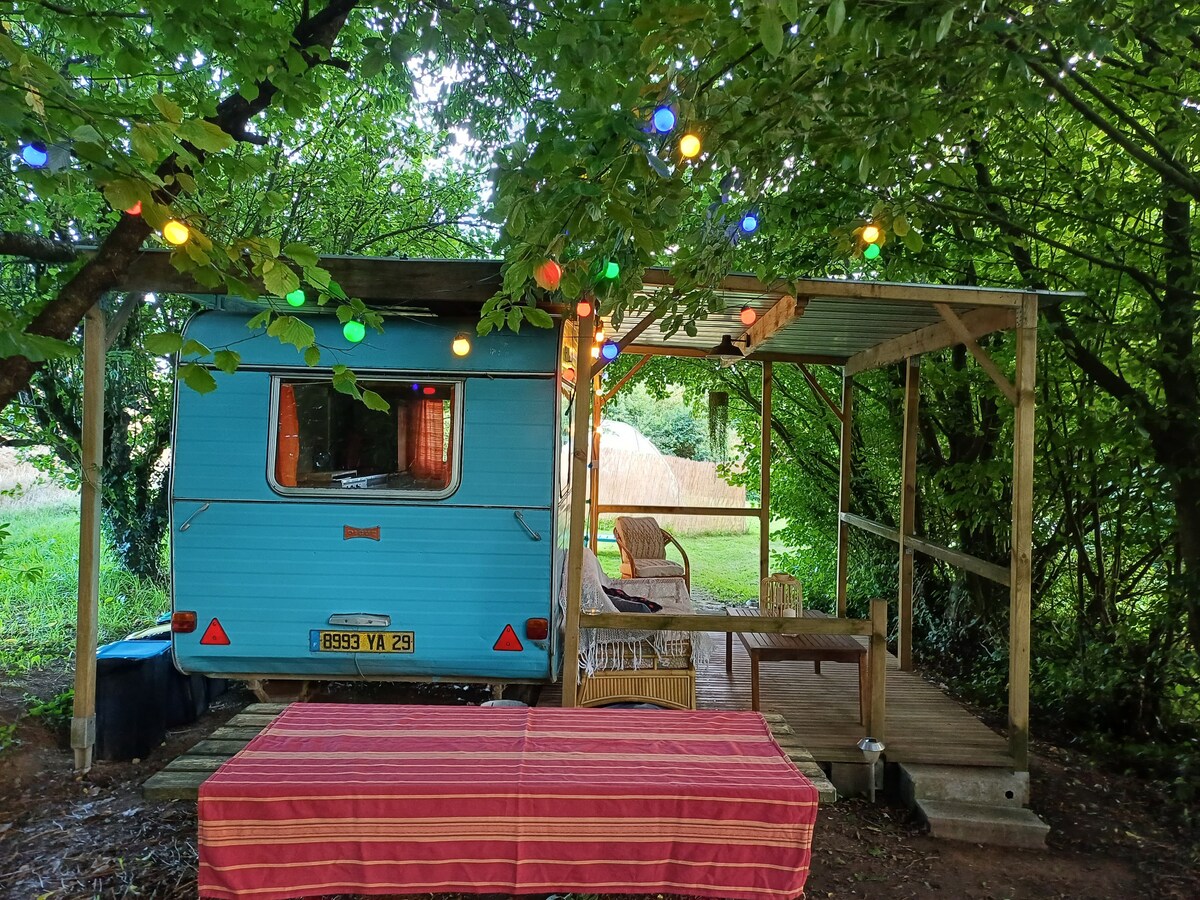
x: 359, y: 799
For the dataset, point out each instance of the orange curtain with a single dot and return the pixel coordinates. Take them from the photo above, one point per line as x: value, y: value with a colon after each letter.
x: 287, y: 449
x: 426, y: 436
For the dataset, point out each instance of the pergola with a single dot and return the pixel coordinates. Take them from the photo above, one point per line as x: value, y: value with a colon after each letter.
x: 855, y: 325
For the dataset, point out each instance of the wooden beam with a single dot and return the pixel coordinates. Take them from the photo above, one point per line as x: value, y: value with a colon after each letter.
x: 764, y: 528
x: 981, y: 356
x: 594, y: 468
x: 956, y: 558
x: 908, y: 509
x: 933, y: 337
x: 813, y: 359
x: 726, y: 624
x: 680, y: 510
x: 663, y: 350
x: 579, y: 475
x: 612, y: 392
x: 1021, y: 591
x: 642, y: 324
x: 770, y: 323
x: 846, y: 449
x: 820, y: 391
x: 83, y: 715
x: 877, y: 671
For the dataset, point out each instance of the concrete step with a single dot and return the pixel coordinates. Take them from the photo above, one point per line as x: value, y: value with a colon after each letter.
x: 978, y: 823
x: 968, y: 784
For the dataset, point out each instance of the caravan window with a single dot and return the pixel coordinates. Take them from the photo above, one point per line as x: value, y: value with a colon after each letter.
x: 325, y: 441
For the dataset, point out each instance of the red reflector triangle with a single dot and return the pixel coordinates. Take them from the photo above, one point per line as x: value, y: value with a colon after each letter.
x: 215, y: 634
x: 507, y: 640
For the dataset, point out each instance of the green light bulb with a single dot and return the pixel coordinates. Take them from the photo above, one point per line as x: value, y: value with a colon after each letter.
x: 872, y: 251
x: 354, y: 331
x: 611, y: 270
x: 295, y: 298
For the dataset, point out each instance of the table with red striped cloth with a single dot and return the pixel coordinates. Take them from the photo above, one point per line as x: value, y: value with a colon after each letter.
x: 369, y: 799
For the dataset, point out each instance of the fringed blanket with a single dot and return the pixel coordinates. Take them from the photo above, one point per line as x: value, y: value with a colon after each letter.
x: 355, y: 799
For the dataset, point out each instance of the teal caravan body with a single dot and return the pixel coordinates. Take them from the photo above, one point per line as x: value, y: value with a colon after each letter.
x: 315, y: 538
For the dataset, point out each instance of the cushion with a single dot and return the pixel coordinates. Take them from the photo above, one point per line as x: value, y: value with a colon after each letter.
x: 657, y: 568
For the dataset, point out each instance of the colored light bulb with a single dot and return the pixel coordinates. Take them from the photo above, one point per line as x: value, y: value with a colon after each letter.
x: 611, y: 270
x: 599, y: 331
x: 35, y: 155
x: 749, y: 315
x: 583, y: 309
x: 295, y: 298
x: 461, y: 345
x: 548, y: 275
x: 664, y: 119
x: 569, y: 373
x: 870, y: 234
x: 749, y: 223
x: 136, y: 209
x: 689, y: 146
x: 595, y: 351
x: 354, y: 331
x: 872, y: 251
x: 610, y: 350
x: 175, y: 232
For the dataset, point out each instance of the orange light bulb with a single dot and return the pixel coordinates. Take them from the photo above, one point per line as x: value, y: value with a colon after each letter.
x: 583, y: 309
x: 749, y: 315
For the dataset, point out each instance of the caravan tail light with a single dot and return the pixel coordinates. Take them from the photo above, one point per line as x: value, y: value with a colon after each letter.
x: 183, y: 622
x: 537, y: 629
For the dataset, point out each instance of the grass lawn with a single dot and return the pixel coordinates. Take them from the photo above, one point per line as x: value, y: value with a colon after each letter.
x: 724, y: 565
x: 37, y: 614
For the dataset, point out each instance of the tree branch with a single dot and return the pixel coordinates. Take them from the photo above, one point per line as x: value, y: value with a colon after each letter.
x: 36, y: 248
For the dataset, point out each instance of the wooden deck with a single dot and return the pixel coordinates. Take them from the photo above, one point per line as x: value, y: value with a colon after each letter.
x: 923, y: 724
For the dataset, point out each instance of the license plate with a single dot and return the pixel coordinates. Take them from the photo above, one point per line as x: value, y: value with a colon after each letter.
x: 360, y: 641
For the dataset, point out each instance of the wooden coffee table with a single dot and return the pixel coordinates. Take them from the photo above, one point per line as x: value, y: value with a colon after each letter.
x: 816, y: 648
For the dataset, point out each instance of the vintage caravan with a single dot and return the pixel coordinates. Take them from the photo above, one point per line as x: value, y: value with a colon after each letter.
x: 314, y: 538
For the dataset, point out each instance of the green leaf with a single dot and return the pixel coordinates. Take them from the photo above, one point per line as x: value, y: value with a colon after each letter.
x: 204, y: 136
x: 790, y: 9
x: 913, y: 241
x: 345, y: 382
x: 279, y: 279
x: 143, y: 143
x: 944, y: 24
x: 770, y: 30
x: 302, y: 254
x: 658, y: 165
x: 194, y: 348
x: 373, y: 401
x: 198, y: 378
x: 171, y: 111
x: 87, y: 134
x: 900, y: 225
x: 291, y: 330
x: 162, y: 343
x: 227, y: 360
x: 537, y: 317
x: 515, y: 319
x: 835, y: 16
x: 312, y: 356
x: 261, y: 320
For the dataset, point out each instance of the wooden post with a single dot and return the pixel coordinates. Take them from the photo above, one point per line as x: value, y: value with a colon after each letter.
x: 83, y: 720
x: 908, y: 508
x: 594, y: 469
x: 579, y: 484
x: 764, y: 533
x: 1021, y: 586
x: 877, y: 662
x: 846, y: 451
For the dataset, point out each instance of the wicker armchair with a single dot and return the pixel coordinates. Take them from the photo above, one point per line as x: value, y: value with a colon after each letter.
x: 643, y: 546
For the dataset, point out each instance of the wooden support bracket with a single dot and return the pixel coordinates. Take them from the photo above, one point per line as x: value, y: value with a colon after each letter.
x: 981, y: 356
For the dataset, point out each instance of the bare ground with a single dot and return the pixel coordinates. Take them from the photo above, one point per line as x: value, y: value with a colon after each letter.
x: 63, y: 836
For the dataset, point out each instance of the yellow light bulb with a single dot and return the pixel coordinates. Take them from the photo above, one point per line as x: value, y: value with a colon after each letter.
x: 175, y: 232
x: 461, y: 345
x: 595, y: 351
x: 870, y: 234
x: 689, y: 146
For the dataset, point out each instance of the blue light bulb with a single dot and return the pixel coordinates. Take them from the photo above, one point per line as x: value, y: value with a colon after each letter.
x: 664, y: 119
x: 35, y: 155
x: 749, y: 223
x: 609, y: 350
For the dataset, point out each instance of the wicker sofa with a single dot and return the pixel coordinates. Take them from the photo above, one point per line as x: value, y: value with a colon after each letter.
x: 637, y: 666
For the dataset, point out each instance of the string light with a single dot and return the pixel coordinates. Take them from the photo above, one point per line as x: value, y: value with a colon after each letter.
x: 595, y: 351
x: 583, y: 309
x: 461, y: 345
x: 870, y: 234
x: 611, y: 270
x: 136, y: 209
x: 599, y: 331
x: 610, y: 350
x: 354, y: 331
x: 548, y: 275
x: 689, y: 146
x: 748, y: 315
x: 569, y: 373
x: 664, y: 119
x: 872, y: 251
x: 35, y: 155
x: 175, y: 232
x: 749, y: 223
x: 295, y: 298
